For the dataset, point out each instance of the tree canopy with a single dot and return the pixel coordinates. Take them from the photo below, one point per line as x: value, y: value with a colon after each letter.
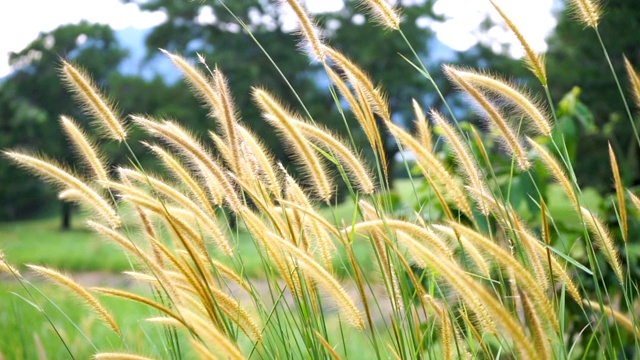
x: 211, y: 29
x: 33, y: 98
x: 575, y: 59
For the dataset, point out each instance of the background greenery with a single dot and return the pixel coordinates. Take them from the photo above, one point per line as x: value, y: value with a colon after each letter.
x: 31, y: 98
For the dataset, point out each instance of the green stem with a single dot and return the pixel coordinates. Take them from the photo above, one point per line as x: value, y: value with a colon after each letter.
x: 615, y: 77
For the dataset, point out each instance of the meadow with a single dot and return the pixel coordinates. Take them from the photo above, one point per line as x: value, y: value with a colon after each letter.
x: 29, y: 333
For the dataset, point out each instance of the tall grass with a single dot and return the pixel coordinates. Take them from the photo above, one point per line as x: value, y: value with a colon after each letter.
x: 467, y: 275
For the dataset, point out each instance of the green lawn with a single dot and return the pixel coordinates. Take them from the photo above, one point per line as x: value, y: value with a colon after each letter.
x: 27, y: 331
x: 42, y: 242
x: 79, y: 250
x: 25, y: 326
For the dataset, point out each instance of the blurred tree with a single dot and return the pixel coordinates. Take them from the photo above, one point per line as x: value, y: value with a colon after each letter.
x: 32, y: 99
x: 21, y: 124
x: 154, y: 98
x: 576, y: 59
x: 209, y: 29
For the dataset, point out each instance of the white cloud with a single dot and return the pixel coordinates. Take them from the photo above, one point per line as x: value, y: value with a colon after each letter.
x: 22, y: 21
x: 460, y: 31
x: 317, y: 7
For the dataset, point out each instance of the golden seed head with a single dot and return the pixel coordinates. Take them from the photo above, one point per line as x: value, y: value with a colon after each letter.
x: 308, y: 30
x: 384, y: 13
x: 94, y: 102
x: 586, y: 11
x: 534, y: 61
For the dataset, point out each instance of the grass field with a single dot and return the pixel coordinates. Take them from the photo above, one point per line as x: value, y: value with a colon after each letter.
x: 91, y: 260
x: 28, y: 333
x: 42, y: 242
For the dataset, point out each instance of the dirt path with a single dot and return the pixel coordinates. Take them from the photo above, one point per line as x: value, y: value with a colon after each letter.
x: 375, y: 293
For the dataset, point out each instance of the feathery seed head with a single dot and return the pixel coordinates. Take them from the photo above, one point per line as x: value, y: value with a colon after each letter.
x: 511, y: 142
x: 89, y: 299
x: 461, y: 150
x: 422, y: 126
x: 308, y: 30
x: 623, y: 320
x: 634, y: 200
x: 283, y: 121
x: 83, y: 193
x: 217, y: 181
x: 94, y: 102
x: 431, y: 166
x: 85, y: 147
x: 374, y: 95
x: 384, y: 13
x: 604, y: 241
x: 556, y: 171
x: 520, y: 99
x: 5, y: 267
x: 587, y: 12
x: 325, y: 280
x: 534, y: 61
x: 353, y: 164
x: 259, y: 156
x: 622, y: 208
x: 197, y: 80
x: 634, y: 79
x: 227, y: 112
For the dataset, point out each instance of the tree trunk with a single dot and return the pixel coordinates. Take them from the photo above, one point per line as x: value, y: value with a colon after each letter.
x: 66, y: 216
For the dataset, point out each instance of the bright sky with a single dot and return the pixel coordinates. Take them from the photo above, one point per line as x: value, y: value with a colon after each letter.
x: 22, y: 20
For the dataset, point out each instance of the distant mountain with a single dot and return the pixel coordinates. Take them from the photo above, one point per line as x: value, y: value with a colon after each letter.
x: 136, y: 64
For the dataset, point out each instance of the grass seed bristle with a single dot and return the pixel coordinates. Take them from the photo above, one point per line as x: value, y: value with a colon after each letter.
x: 276, y: 115
x: 94, y: 101
x: 308, y: 30
x: 510, y: 139
x: 622, y: 207
x: 534, y: 61
x: 604, y: 241
x: 384, y: 13
x: 587, y: 12
x: 527, y: 106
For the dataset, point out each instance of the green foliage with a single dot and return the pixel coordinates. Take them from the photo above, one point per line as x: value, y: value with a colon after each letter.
x: 21, y: 123
x: 571, y: 44
x: 31, y: 100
